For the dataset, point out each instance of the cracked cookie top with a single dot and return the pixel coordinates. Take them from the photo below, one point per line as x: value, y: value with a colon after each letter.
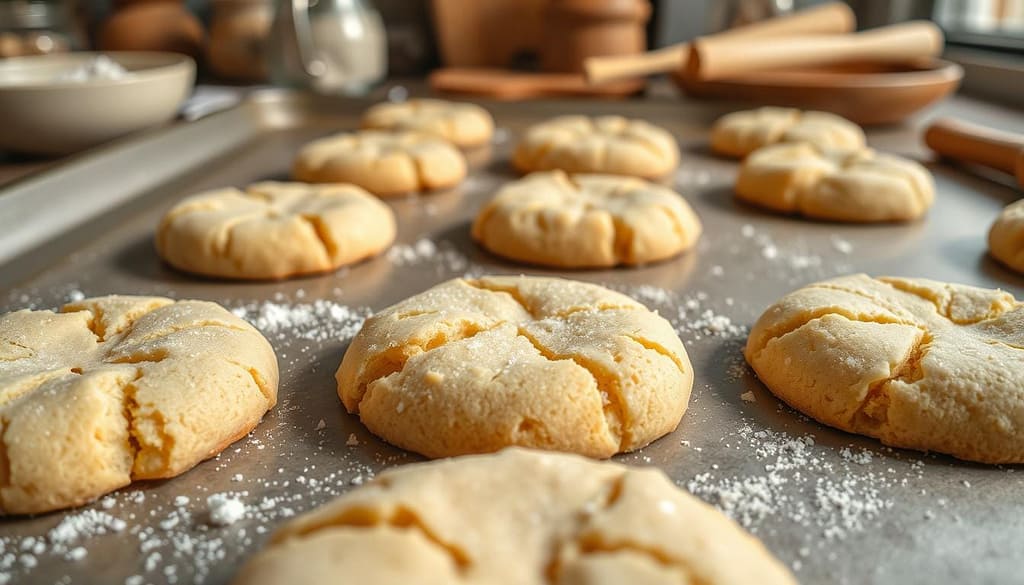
x: 386, y: 164
x: 472, y: 366
x: 580, y: 221
x: 119, y: 388
x: 274, y: 230
x: 518, y: 517
x: 855, y: 186
x: 741, y: 133
x: 604, y: 144
x: 1006, y: 237
x: 462, y: 124
x: 916, y: 363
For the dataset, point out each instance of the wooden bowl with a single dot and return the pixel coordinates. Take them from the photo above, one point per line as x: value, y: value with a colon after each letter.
x: 865, y: 94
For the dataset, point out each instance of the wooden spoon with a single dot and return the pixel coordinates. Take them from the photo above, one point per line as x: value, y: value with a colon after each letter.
x: 972, y: 143
x: 832, y: 17
x: 720, y: 57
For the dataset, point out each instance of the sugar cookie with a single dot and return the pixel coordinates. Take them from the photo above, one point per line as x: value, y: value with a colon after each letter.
x: 517, y: 516
x: 861, y: 186
x: 472, y: 366
x: 605, y: 144
x: 916, y: 363
x: 586, y: 221
x: 741, y: 133
x: 116, y: 389
x: 384, y: 163
x: 274, y: 230
x: 462, y: 124
x: 1006, y: 237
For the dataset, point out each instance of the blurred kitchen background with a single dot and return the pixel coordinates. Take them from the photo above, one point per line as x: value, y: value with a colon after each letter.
x: 367, y: 41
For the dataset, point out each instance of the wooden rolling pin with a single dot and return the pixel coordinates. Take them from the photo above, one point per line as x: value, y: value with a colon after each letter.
x: 719, y: 57
x: 980, y: 145
x: 833, y: 17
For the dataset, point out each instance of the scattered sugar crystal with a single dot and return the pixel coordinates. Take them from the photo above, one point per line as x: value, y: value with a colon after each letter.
x: 841, y: 245
x: 224, y: 509
x: 748, y: 396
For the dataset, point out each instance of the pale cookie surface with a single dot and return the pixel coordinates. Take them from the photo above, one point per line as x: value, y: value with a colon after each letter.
x: 586, y: 221
x: 741, y: 133
x: 604, y: 144
x: 383, y: 163
x: 462, y: 124
x: 854, y: 186
x: 916, y: 363
x: 517, y: 517
x: 472, y: 366
x: 274, y: 230
x: 1006, y: 237
x: 116, y: 389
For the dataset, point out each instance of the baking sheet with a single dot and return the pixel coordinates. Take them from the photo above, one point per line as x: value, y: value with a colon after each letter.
x: 835, y: 507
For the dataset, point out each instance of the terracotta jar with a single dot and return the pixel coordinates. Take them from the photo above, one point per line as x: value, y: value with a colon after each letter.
x: 577, y: 29
x: 238, y: 39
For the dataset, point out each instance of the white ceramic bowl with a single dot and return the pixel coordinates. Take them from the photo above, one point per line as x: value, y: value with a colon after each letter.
x: 42, y: 114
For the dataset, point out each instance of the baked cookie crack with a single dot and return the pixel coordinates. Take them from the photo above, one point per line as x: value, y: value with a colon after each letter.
x: 798, y: 321
x: 12, y: 354
x: 265, y: 388
x: 392, y: 360
x: 607, y: 385
x: 322, y: 233
x: 873, y: 410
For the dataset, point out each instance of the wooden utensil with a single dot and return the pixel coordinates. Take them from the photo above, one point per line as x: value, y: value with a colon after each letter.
x: 713, y: 58
x: 834, y: 17
x: 973, y: 143
x: 863, y: 93
x: 503, y: 84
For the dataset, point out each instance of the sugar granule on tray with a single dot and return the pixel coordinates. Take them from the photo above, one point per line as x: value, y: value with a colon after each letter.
x: 225, y: 510
x: 321, y: 320
x: 424, y: 251
x: 828, y: 498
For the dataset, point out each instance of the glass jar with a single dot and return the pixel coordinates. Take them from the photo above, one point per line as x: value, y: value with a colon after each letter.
x: 38, y: 27
x: 331, y: 46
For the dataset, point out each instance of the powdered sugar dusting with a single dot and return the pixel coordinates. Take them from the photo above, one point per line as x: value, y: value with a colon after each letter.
x: 803, y: 483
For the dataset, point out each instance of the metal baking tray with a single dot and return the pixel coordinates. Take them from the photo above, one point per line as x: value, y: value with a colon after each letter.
x: 835, y: 507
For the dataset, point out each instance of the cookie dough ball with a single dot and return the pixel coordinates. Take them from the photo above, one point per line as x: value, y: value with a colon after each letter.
x: 471, y: 366
x: 741, y: 133
x: 916, y: 363
x: 274, y: 230
x: 464, y: 125
x: 517, y: 516
x: 586, y: 221
x: 1006, y: 237
x: 605, y: 144
x: 386, y: 164
x: 115, y: 389
x: 854, y: 186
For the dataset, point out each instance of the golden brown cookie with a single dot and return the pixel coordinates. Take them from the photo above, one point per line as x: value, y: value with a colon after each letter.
x: 604, y: 144
x: 517, y: 516
x: 116, y: 389
x: 463, y: 124
x: 1006, y: 237
x: 741, y: 133
x: 472, y: 366
x: 386, y: 164
x: 586, y: 221
x: 854, y: 186
x: 913, y: 362
x: 274, y: 230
